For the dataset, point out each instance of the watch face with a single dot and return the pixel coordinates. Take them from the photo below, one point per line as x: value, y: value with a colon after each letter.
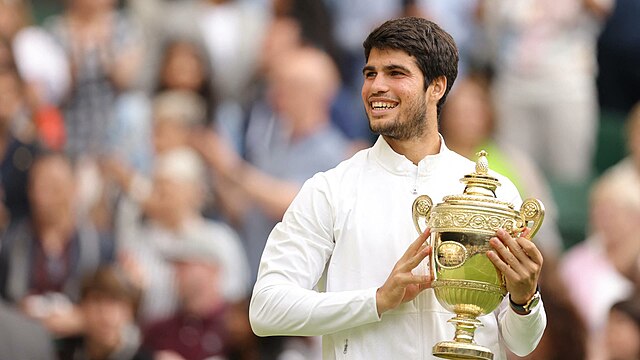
x: 533, y: 302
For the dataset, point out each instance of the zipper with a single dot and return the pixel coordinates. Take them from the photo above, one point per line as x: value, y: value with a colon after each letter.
x: 414, y: 191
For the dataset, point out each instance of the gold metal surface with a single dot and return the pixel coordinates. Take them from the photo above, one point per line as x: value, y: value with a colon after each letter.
x: 465, y: 281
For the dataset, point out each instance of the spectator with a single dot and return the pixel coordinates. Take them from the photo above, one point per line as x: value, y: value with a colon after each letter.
x: 600, y: 270
x: 543, y: 54
x: 44, y: 257
x: 108, y: 303
x: 184, y: 66
x: 197, y: 328
x: 103, y: 49
x: 283, y: 149
x: 173, y: 214
x: 175, y: 114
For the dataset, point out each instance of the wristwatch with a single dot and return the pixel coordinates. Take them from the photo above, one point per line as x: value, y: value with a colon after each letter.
x: 526, y: 308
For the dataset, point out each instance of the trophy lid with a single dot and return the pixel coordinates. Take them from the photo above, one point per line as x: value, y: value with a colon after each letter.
x: 480, y: 187
x: 480, y: 183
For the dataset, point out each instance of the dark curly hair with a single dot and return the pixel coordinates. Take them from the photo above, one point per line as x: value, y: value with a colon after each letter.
x: 434, y: 49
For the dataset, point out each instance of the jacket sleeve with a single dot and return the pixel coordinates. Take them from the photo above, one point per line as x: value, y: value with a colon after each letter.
x: 285, y: 299
x: 522, y: 333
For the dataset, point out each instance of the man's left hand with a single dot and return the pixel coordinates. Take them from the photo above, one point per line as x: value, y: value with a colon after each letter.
x: 520, y: 261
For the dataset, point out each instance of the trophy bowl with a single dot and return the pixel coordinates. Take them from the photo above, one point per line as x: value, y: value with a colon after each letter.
x: 465, y: 281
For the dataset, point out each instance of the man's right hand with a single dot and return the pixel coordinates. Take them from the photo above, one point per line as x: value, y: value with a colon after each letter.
x: 402, y: 285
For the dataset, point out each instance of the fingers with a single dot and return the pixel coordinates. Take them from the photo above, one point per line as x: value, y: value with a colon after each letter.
x: 512, y: 247
x: 531, y: 250
x: 416, y: 259
x: 416, y: 245
x: 519, y: 260
x: 501, y: 265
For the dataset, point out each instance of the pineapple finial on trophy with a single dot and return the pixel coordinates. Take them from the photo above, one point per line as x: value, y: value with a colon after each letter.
x: 482, y: 165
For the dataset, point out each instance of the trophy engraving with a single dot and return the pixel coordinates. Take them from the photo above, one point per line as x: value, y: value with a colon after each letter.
x: 465, y: 281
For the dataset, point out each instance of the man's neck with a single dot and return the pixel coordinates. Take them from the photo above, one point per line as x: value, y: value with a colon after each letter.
x: 416, y: 149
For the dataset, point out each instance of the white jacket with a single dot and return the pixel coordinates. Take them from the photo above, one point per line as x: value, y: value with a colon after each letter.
x: 337, y: 244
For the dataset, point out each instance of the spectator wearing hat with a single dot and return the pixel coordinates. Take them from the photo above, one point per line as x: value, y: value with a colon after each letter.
x: 196, y: 330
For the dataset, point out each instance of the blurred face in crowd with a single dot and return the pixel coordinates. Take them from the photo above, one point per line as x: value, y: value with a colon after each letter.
x: 51, y: 189
x: 303, y: 84
x: 393, y: 94
x: 184, y: 67
x: 105, y: 318
x: 466, y: 118
x: 616, y: 221
x: 197, y: 283
x: 168, y: 134
x: 173, y: 198
x: 622, y: 337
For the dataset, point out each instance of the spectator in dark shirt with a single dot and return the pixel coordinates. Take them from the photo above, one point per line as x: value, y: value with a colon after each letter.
x: 197, y: 330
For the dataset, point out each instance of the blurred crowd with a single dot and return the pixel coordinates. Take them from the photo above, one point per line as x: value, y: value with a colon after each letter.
x: 148, y: 147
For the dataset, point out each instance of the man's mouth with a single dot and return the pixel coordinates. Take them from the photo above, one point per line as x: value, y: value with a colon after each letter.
x: 383, y: 105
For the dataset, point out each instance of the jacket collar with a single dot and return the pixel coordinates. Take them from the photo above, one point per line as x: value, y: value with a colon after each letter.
x: 399, y: 164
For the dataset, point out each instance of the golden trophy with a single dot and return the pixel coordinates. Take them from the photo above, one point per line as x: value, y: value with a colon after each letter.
x: 465, y: 281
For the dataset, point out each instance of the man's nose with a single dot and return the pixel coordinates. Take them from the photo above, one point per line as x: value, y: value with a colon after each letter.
x: 379, y: 84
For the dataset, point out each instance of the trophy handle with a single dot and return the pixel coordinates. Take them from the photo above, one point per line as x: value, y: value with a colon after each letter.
x: 532, y: 210
x: 421, y: 209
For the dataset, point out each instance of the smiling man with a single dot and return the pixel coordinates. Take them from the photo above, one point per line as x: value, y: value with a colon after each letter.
x: 344, y: 262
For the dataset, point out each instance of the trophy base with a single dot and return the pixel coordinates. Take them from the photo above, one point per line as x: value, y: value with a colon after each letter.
x: 458, y: 350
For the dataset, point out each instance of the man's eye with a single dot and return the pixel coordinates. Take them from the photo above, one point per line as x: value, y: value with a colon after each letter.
x: 396, y: 73
x: 370, y: 74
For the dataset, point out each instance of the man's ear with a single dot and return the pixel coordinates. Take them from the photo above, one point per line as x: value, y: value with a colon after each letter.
x: 436, y: 89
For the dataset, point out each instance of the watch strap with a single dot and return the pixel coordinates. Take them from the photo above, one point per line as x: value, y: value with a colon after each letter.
x: 525, y: 309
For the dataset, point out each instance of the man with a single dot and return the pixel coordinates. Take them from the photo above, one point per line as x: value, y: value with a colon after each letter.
x: 289, y: 138
x: 331, y: 266
x: 196, y: 330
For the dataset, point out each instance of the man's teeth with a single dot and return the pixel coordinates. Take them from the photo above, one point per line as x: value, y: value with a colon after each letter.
x: 382, y: 105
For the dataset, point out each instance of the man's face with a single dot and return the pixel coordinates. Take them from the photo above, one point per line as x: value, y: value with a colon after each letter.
x: 393, y: 94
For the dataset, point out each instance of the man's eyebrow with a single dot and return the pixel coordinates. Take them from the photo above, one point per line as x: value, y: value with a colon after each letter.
x: 368, y: 68
x: 386, y: 68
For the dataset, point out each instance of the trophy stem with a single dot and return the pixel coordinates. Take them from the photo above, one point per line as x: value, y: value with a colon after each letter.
x: 465, y: 328
x: 463, y: 346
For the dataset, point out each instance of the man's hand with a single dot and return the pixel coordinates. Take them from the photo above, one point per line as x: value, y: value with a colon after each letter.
x: 402, y: 285
x: 520, y: 261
